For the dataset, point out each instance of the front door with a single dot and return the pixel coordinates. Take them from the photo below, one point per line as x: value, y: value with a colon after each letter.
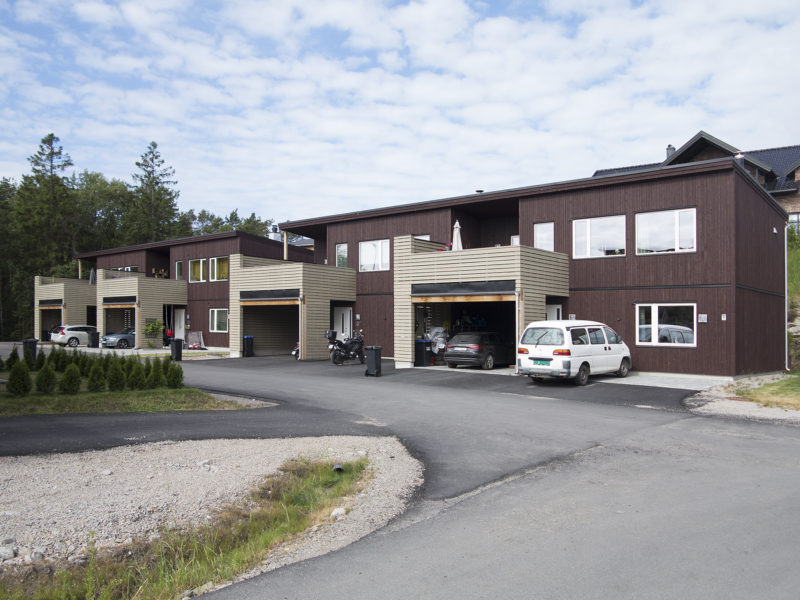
x: 553, y: 312
x: 343, y: 321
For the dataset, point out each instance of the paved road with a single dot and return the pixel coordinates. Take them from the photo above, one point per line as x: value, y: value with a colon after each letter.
x: 531, y: 491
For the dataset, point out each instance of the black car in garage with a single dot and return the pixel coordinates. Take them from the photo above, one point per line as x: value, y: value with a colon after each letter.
x: 483, y: 349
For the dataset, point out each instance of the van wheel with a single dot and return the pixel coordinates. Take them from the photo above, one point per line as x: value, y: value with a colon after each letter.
x: 536, y: 379
x: 582, y: 378
x: 452, y: 365
x: 624, y: 368
x: 488, y: 362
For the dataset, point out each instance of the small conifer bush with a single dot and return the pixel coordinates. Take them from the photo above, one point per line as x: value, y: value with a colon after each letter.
x: 19, y: 379
x: 84, y: 364
x: 46, y: 380
x: 63, y: 360
x: 156, y: 378
x: 2, y: 364
x: 165, y: 365
x: 40, y: 360
x: 136, y: 379
x: 13, y: 358
x: 175, y: 376
x: 148, y: 366
x: 71, y: 381
x: 97, y: 380
x: 29, y: 359
x: 115, y: 376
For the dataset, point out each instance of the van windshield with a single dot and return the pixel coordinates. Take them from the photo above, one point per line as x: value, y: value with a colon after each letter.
x: 543, y: 336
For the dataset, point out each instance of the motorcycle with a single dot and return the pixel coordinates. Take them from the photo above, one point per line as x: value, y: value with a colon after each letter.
x: 296, y: 351
x: 351, y: 348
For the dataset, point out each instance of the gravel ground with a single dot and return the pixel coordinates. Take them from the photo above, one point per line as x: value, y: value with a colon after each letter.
x: 51, y: 504
x: 722, y: 400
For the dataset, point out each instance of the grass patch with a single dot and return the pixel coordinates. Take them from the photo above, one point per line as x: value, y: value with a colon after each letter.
x: 781, y: 394
x: 156, y: 400
x: 239, y: 538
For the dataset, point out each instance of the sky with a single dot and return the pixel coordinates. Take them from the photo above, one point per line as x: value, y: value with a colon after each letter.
x: 300, y: 109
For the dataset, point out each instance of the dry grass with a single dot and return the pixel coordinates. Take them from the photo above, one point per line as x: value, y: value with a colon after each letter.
x: 780, y: 394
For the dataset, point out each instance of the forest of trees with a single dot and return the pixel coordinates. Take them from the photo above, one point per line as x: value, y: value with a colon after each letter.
x: 52, y: 214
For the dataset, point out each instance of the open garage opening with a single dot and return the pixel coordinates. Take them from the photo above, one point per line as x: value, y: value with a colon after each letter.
x: 275, y: 329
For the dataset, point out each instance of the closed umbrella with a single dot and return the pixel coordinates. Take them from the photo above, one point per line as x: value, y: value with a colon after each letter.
x: 457, y: 237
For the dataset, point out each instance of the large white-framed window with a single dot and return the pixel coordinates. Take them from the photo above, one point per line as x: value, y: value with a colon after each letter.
x: 373, y: 255
x: 197, y: 270
x: 218, y: 320
x: 218, y: 268
x: 599, y: 236
x: 544, y: 236
x: 178, y: 269
x: 665, y: 324
x: 341, y: 255
x: 666, y: 231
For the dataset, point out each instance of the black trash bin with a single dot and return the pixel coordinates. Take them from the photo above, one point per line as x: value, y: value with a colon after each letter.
x: 422, y: 353
x: 94, y: 339
x: 29, y: 345
x: 176, y: 349
x: 373, y: 361
x: 248, y: 345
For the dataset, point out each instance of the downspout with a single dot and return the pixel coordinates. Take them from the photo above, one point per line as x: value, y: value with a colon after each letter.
x: 302, y: 349
x: 516, y: 330
x: 786, y: 292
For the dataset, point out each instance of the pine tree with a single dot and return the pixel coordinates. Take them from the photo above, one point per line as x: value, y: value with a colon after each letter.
x: 71, y: 381
x: 136, y: 379
x: 175, y: 376
x: 13, y: 358
x: 115, y: 376
x: 97, y: 381
x: 19, y: 379
x: 46, y: 380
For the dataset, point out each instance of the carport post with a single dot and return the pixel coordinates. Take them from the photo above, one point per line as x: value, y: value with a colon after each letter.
x: 300, y: 339
x: 516, y: 329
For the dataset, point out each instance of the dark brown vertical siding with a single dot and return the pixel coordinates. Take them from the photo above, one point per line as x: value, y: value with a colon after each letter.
x: 760, y: 278
x: 267, y: 248
x: 498, y: 231
x: 374, y: 300
x: 321, y: 251
x: 136, y: 258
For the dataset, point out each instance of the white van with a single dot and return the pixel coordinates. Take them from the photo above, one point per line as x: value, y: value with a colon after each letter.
x: 571, y: 349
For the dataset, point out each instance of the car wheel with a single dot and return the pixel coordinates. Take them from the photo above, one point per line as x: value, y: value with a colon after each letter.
x: 582, y: 378
x: 536, y: 379
x: 624, y: 368
x: 72, y: 342
x: 452, y: 365
x: 488, y: 362
x: 122, y: 344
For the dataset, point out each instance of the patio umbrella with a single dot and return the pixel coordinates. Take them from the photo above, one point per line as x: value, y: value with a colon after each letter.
x: 457, y: 237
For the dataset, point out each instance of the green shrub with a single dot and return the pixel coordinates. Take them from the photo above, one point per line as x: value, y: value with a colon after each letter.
x: 115, y: 376
x: 13, y: 358
x: 165, y: 365
x: 63, y: 360
x: 84, y: 364
x: 128, y: 365
x: 136, y: 379
x: 97, y: 380
x: 147, y: 367
x: 19, y: 379
x: 41, y: 359
x: 71, y: 381
x: 156, y: 378
x: 29, y: 359
x: 175, y: 376
x: 2, y: 364
x: 46, y: 380
x: 107, y: 361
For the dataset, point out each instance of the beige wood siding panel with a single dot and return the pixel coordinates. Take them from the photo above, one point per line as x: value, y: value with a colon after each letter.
x: 151, y: 296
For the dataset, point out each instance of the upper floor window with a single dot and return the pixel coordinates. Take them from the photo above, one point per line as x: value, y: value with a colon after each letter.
x: 666, y: 231
x: 218, y: 268
x: 341, y: 255
x: 666, y: 324
x: 515, y: 240
x: 425, y: 237
x: 197, y: 270
x: 544, y: 236
x: 600, y: 236
x: 178, y: 269
x: 218, y: 320
x: 373, y: 255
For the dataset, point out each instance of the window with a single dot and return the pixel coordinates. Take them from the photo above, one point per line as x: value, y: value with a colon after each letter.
x: 197, y: 270
x: 666, y: 324
x: 601, y: 236
x: 132, y: 269
x: 178, y: 269
x: 373, y: 256
x: 794, y: 222
x: 341, y: 255
x: 425, y: 237
x: 218, y: 320
x: 544, y: 236
x: 579, y: 337
x: 515, y: 240
x: 665, y: 231
x: 218, y: 268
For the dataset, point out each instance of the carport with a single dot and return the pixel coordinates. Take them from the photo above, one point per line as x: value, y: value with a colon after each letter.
x: 118, y: 313
x: 272, y: 317
x: 49, y: 316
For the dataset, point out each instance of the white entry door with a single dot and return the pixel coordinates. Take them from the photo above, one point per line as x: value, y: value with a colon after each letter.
x: 343, y: 321
x: 179, y: 322
x: 553, y: 312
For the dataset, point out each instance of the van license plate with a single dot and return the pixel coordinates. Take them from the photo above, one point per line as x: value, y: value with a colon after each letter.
x: 541, y: 362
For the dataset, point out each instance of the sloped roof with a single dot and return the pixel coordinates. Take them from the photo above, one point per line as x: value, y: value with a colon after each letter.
x: 777, y: 161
